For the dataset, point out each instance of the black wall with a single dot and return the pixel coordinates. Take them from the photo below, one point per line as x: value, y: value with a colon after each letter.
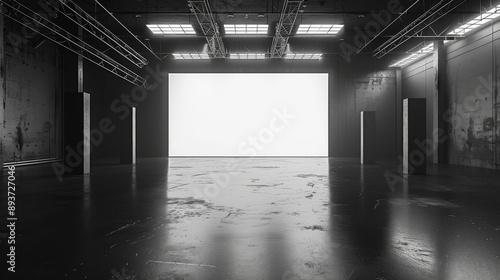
x: 363, y: 84
x: 32, y: 126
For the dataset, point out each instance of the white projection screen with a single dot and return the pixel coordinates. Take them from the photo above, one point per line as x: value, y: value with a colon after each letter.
x: 246, y: 115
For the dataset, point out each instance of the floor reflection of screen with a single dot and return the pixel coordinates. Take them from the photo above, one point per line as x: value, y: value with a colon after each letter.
x: 248, y: 114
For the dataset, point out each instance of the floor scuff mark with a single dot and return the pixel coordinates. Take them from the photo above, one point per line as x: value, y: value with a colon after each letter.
x: 315, y: 227
x: 123, y: 227
x: 179, y: 263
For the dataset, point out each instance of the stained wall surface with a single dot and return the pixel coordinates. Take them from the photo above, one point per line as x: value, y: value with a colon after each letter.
x: 472, y: 114
x: 32, y: 125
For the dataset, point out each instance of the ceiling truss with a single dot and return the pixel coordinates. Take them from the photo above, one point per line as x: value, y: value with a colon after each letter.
x: 210, y: 28
x: 88, y: 23
x: 416, y: 28
x: 284, y: 27
x: 46, y: 28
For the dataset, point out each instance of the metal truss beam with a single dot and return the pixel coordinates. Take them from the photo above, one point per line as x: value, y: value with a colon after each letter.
x: 385, y: 28
x: 81, y: 18
x: 210, y: 28
x: 284, y: 27
x: 416, y: 28
x: 149, y: 48
x: 37, y: 23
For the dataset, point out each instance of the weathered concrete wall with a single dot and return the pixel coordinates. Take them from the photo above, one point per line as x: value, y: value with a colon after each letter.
x: 471, y: 68
x: 2, y: 88
x: 471, y: 78
x: 370, y: 92
x: 32, y: 126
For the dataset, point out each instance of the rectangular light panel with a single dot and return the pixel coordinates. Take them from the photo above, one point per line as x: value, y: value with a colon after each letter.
x: 476, y: 22
x: 248, y: 114
x: 191, y: 56
x: 319, y: 29
x: 306, y: 56
x: 414, y: 56
x: 172, y: 29
x: 246, y: 29
x: 247, y: 56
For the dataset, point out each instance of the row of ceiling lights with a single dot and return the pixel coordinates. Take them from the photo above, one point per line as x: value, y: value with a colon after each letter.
x: 310, y: 29
x: 248, y: 56
x: 245, y: 29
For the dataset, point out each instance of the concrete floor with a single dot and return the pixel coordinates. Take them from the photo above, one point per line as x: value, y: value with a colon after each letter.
x: 268, y: 218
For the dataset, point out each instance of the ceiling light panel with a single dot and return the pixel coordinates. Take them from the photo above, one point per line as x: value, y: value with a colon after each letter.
x: 246, y: 29
x: 172, y: 29
x: 415, y: 56
x: 304, y: 56
x: 476, y: 22
x: 319, y: 29
x: 191, y: 56
x: 248, y: 56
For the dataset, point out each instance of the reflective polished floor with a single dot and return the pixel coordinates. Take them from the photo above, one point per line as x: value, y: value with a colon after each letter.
x: 257, y: 218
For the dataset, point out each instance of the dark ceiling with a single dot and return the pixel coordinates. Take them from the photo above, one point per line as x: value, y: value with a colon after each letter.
x: 354, y: 14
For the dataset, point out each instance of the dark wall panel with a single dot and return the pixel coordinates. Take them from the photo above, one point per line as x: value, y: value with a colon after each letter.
x: 364, y: 84
x: 418, y: 82
x: 471, y: 132
x: 470, y: 87
x: 353, y: 87
x: 471, y: 76
x: 109, y: 98
x: 32, y: 128
x: 369, y: 92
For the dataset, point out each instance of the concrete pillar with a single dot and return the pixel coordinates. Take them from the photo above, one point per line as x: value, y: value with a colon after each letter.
x: 2, y: 88
x: 128, y: 138
x: 439, y: 105
x: 368, y: 137
x: 333, y: 142
x: 399, y: 112
x: 76, y: 121
x: 77, y: 133
x: 73, y: 69
x: 414, y: 136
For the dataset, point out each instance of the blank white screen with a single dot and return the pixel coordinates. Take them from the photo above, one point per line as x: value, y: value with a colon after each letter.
x: 248, y: 114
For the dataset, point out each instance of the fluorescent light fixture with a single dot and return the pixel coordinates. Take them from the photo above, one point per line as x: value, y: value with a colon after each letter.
x: 172, y: 29
x: 414, y: 56
x: 248, y: 56
x: 307, y: 56
x: 478, y: 21
x: 246, y: 29
x: 191, y: 56
x: 319, y: 29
